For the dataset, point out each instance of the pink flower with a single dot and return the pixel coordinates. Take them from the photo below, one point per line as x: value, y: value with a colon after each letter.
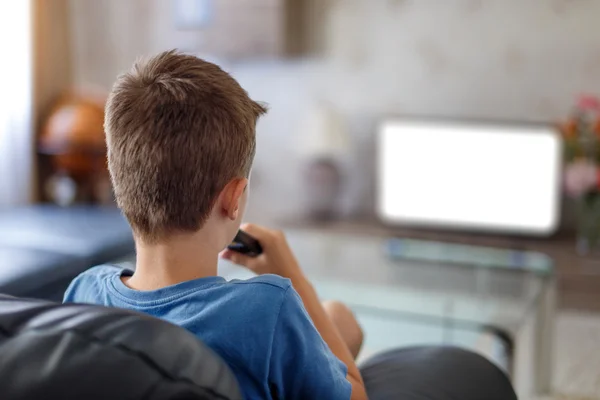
x: 588, y: 102
x: 581, y: 176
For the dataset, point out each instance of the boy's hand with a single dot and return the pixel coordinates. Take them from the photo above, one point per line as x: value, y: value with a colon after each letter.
x: 277, y: 257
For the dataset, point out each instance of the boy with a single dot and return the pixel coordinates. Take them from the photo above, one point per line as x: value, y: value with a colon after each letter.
x: 180, y: 134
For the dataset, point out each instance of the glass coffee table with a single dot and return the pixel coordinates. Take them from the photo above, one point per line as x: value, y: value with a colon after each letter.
x: 404, y: 292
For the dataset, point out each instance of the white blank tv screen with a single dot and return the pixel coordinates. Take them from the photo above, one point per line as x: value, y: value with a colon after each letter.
x: 480, y: 177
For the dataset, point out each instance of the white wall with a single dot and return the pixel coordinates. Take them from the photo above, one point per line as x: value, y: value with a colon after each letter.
x: 500, y: 59
x: 523, y: 60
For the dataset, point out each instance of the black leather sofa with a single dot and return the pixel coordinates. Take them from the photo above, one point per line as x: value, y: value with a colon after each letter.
x: 43, y: 247
x: 53, y: 351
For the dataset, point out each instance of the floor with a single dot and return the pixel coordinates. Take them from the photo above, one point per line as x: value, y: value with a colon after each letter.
x: 577, y: 363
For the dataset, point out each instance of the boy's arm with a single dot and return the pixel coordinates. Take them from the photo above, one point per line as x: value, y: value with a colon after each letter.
x: 277, y: 258
x: 329, y: 333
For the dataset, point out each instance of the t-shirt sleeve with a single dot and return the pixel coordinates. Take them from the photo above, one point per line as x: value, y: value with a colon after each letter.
x: 72, y: 294
x: 87, y: 285
x: 302, y: 366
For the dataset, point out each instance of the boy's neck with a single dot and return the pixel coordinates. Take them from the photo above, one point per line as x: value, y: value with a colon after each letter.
x: 180, y: 259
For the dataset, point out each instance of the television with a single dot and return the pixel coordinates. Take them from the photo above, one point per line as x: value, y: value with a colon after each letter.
x: 484, y: 177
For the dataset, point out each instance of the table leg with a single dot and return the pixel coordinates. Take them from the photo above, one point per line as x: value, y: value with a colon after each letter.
x: 544, y: 339
x: 534, y: 347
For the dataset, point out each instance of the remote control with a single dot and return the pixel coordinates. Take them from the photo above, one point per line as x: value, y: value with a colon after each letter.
x: 245, y: 244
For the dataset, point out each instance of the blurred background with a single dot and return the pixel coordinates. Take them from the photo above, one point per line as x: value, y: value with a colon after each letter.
x: 341, y: 78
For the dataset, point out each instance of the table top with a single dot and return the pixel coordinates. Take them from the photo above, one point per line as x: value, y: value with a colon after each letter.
x: 577, y: 277
x: 465, y: 285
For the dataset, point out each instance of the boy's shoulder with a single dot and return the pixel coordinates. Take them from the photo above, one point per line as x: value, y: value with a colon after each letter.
x: 98, y: 273
x: 91, y: 281
x: 103, y: 270
x: 265, y: 281
x: 265, y: 292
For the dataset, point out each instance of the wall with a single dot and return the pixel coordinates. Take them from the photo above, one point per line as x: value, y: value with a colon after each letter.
x: 108, y: 35
x: 504, y: 59
x: 499, y: 59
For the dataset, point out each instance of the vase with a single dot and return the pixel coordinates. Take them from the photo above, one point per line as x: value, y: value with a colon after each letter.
x: 324, y: 148
x: 588, y: 223
x: 322, y: 188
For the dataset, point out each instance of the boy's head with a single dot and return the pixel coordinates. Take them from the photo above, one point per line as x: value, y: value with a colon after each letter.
x: 181, y: 139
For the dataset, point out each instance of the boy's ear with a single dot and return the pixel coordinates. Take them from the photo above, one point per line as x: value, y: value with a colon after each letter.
x: 230, y: 197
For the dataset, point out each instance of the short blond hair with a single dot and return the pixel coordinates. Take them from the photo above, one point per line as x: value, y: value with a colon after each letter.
x: 178, y: 129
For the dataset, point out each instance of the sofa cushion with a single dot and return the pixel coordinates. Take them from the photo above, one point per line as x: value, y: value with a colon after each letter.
x: 53, y: 351
x: 98, y: 234
x: 35, y: 273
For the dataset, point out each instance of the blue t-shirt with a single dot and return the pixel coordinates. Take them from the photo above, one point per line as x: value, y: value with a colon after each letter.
x: 258, y: 326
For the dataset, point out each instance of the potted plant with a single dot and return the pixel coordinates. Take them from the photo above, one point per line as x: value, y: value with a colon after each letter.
x: 582, y: 174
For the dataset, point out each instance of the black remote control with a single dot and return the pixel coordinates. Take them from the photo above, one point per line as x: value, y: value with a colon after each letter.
x: 245, y: 244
